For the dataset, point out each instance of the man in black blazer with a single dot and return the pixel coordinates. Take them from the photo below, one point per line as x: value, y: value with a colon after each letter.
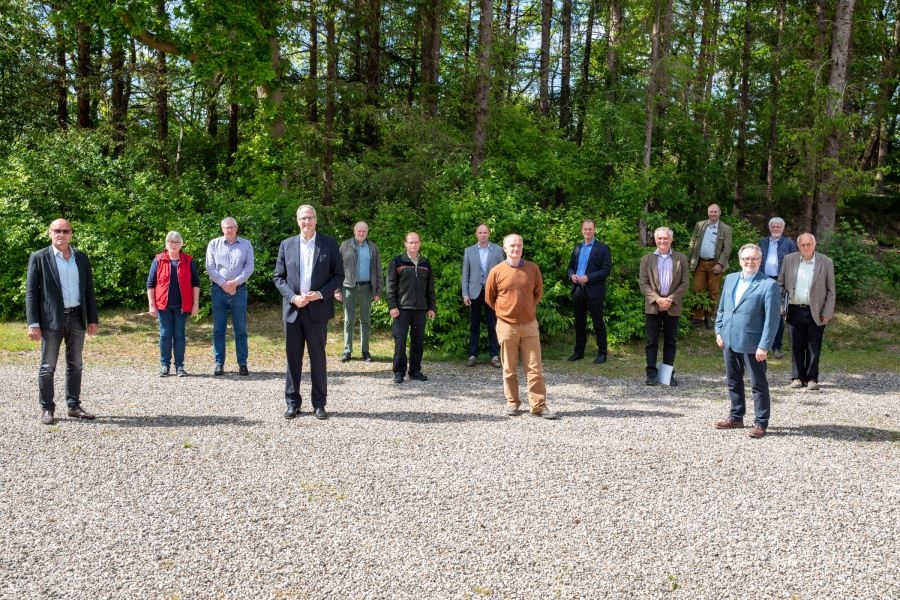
x: 60, y: 305
x: 308, y: 271
x: 589, y: 266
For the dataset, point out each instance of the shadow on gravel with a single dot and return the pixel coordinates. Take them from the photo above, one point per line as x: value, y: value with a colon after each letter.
x: 620, y: 413
x: 422, y: 417
x: 177, y: 421
x: 847, y: 433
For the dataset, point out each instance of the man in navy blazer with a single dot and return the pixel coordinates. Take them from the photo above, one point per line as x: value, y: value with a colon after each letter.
x: 589, y: 266
x: 308, y: 271
x: 60, y: 305
x: 774, y: 248
x: 746, y: 322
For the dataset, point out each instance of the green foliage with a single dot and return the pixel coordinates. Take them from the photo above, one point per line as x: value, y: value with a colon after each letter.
x: 890, y: 271
x: 855, y: 268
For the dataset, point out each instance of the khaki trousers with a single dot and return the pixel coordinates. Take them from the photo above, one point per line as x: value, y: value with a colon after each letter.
x: 711, y: 283
x: 522, y: 339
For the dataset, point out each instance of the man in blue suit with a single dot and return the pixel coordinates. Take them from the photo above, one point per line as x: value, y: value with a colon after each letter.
x: 308, y: 271
x: 589, y: 266
x: 774, y: 249
x: 746, y: 323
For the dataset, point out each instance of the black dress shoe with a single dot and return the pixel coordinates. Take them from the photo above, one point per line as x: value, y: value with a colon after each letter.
x: 79, y: 413
x: 673, y: 382
x: 367, y: 357
x: 47, y: 417
x: 243, y: 371
x: 291, y: 413
x: 696, y: 322
x: 709, y: 323
x: 601, y: 358
x: 420, y: 376
x: 651, y: 380
x: 575, y: 357
x: 321, y: 414
x: 398, y: 377
x: 219, y: 370
x: 345, y: 357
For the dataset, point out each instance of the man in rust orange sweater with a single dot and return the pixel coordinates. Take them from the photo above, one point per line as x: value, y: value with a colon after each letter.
x: 513, y: 289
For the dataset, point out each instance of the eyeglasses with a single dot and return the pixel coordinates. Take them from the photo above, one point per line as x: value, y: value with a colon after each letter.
x: 62, y: 231
x: 751, y: 259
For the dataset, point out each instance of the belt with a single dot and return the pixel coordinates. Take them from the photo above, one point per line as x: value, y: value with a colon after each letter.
x: 362, y: 283
x: 708, y: 259
x: 220, y: 287
x: 70, y: 310
x: 806, y: 306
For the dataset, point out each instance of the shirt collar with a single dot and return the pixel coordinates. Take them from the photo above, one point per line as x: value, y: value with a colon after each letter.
x: 312, y: 240
x: 711, y: 226
x: 521, y: 262
x: 658, y: 253
x: 358, y: 245
x: 811, y: 261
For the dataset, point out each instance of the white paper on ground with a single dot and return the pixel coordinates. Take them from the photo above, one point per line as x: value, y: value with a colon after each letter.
x: 664, y: 373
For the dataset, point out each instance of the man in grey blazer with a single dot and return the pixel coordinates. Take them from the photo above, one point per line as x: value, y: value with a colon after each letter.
x: 60, y: 305
x: 478, y: 260
x: 746, y: 323
x: 808, y: 278
x: 664, y: 281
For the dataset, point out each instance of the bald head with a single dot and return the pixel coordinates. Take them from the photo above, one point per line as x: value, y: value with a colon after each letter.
x: 60, y: 233
x: 807, y: 244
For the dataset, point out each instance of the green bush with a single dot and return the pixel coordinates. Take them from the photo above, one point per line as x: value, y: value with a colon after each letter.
x: 855, y: 268
x: 890, y: 271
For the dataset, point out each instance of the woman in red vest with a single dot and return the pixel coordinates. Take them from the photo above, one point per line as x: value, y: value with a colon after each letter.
x: 173, y: 291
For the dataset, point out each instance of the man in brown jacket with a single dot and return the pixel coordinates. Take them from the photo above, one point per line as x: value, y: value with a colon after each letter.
x: 664, y: 282
x: 808, y: 278
x: 710, y: 249
x: 513, y: 289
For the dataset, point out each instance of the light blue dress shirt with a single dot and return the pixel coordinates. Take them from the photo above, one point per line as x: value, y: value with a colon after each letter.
x: 68, y: 278
x: 583, y: 258
x: 708, y: 246
x: 364, y: 262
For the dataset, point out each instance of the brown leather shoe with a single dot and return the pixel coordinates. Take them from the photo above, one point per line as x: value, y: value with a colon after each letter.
x: 47, y: 417
x: 729, y: 423
x: 758, y: 432
x: 79, y: 413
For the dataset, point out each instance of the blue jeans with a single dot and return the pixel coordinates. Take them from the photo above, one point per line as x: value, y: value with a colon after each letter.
x: 51, y: 340
x: 171, y: 335
x: 222, y: 304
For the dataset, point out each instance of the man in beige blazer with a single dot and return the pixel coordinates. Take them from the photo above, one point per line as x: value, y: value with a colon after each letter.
x: 808, y: 278
x: 664, y: 282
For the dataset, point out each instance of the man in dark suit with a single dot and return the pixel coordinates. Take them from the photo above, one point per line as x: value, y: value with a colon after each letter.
x: 808, y: 278
x: 589, y: 266
x: 308, y: 271
x: 774, y: 248
x: 746, y: 323
x: 60, y: 305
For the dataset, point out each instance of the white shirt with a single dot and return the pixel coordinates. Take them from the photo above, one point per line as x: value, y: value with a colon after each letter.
x: 307, y: 253
x: 741, y: 288
x: 805, y: 272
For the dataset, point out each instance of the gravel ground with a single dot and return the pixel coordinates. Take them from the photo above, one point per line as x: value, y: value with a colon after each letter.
x: 197, y: 487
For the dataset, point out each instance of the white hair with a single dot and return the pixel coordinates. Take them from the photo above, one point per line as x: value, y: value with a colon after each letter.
x: 174, y: 236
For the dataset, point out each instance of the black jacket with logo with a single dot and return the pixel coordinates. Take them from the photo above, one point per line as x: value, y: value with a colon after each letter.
x: 410, y: 286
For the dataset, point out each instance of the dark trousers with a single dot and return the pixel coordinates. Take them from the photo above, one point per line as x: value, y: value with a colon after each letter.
x: 51, y: 340
x: 411, y: 323
x: 779, y: 337
x: 313, y: 335
x: 806, y: 344
x: 581, y: 305
x: 476, y: 308
x: 669, y: 325
x: 735, y: 365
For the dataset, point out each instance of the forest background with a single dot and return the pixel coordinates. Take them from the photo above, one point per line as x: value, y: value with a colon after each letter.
x: 133, y: 118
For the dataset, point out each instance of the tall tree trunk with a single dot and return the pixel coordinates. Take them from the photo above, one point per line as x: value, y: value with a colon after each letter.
x: 233, y: 116
x: 431, y: 54
x: 211, y: 100
x: 888, y: 87
x: 544, y: 99
x: 566, y: 68
x: 813, y: 145
x: 827, y: 195
x: 332, y: 53
x: 82, y: 77
x: 740, y: 175
x: 413, y: 69
x: 312, y: 100
x: 774, y: 82
x: 179, y: 148
x: 62, y: 88
x: 271, y: 91
x: 162, y: 112
x: 467, y: 45
x: 612, y: 50
x: 118, y: 97
x: 482, y: 86
x: 585, y: 88
x: 709, y: 64
x: 373, y: 68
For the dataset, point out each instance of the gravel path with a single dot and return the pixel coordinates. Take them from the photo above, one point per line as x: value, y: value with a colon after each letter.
x: 198, y: 488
